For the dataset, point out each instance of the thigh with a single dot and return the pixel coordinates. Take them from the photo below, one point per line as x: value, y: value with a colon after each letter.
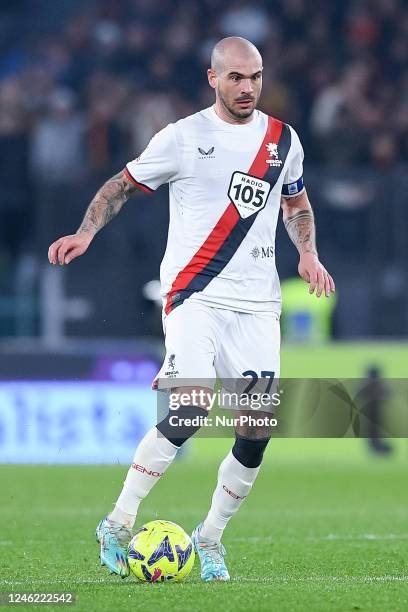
x: 191, y: 340
x: 250, y: 347
x: 249, y: 366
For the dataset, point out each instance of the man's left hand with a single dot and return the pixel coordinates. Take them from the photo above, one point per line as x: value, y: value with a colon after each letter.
x: 314, y: 273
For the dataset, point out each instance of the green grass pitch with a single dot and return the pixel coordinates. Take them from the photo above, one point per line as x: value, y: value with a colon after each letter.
x: 324, y: 529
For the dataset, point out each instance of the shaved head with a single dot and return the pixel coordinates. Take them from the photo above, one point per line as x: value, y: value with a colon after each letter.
x: 236, y: 77
x: 233, y: 50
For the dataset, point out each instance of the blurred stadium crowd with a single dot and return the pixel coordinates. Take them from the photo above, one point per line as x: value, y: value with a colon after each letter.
x: 84, y: 85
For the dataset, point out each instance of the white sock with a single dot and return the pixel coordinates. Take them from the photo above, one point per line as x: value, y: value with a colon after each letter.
x: 234, y: 483
x: 152, y: 458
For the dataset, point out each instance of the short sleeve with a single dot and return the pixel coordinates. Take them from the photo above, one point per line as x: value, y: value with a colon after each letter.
x: 158, y: 164
x: 293, y: 182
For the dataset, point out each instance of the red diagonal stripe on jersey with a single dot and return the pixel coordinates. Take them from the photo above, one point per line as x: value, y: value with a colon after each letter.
x: 227, y: 221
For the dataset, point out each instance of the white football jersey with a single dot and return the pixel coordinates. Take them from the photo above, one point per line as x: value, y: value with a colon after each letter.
x: 225, y: 182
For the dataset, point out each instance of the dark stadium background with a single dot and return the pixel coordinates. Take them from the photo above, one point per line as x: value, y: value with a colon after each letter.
x: 84, y: 84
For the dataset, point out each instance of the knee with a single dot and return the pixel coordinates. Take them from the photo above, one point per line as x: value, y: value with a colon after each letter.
x: 179, y: 425
x: 249, y: 452
x: 188, y: 407
x: 246, y: 429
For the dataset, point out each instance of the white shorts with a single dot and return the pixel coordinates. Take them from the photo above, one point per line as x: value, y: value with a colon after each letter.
x: 204, y: 343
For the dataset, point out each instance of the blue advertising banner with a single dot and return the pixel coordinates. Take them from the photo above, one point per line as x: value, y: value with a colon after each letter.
x: 73, y: 422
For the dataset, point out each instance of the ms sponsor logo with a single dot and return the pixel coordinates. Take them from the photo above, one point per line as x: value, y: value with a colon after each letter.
x: 263, y: 252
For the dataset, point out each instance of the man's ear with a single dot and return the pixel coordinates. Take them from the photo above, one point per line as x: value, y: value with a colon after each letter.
x: 212, y: 78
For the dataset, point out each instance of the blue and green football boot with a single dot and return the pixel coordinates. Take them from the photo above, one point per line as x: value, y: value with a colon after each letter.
x: 211, y: 555
x: 114, y: 539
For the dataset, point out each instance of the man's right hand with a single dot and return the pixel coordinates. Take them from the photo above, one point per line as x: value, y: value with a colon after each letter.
x: 67, y: 248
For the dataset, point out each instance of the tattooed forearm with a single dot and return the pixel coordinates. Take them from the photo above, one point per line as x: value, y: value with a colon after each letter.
x: 301, y: 230
x: 107, y: 203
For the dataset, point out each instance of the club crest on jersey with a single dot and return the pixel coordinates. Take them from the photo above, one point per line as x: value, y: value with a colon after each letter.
x: 171, y: 371
x: 206, y: 154
x: 274, y: 160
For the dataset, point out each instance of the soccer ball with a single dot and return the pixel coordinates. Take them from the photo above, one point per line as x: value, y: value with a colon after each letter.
x: 161, y: 551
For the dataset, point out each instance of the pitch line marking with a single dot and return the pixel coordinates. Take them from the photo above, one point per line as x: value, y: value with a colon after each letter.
x: 328, y: 538
x: 272, y: 580
x: 362, y: 536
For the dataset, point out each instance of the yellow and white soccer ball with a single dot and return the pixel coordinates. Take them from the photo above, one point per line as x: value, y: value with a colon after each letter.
x: 161, y: 551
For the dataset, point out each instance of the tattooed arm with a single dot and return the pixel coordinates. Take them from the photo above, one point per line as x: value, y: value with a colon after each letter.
x: 299, y: 222
x: 107, y: 203
x: 104, y: 207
